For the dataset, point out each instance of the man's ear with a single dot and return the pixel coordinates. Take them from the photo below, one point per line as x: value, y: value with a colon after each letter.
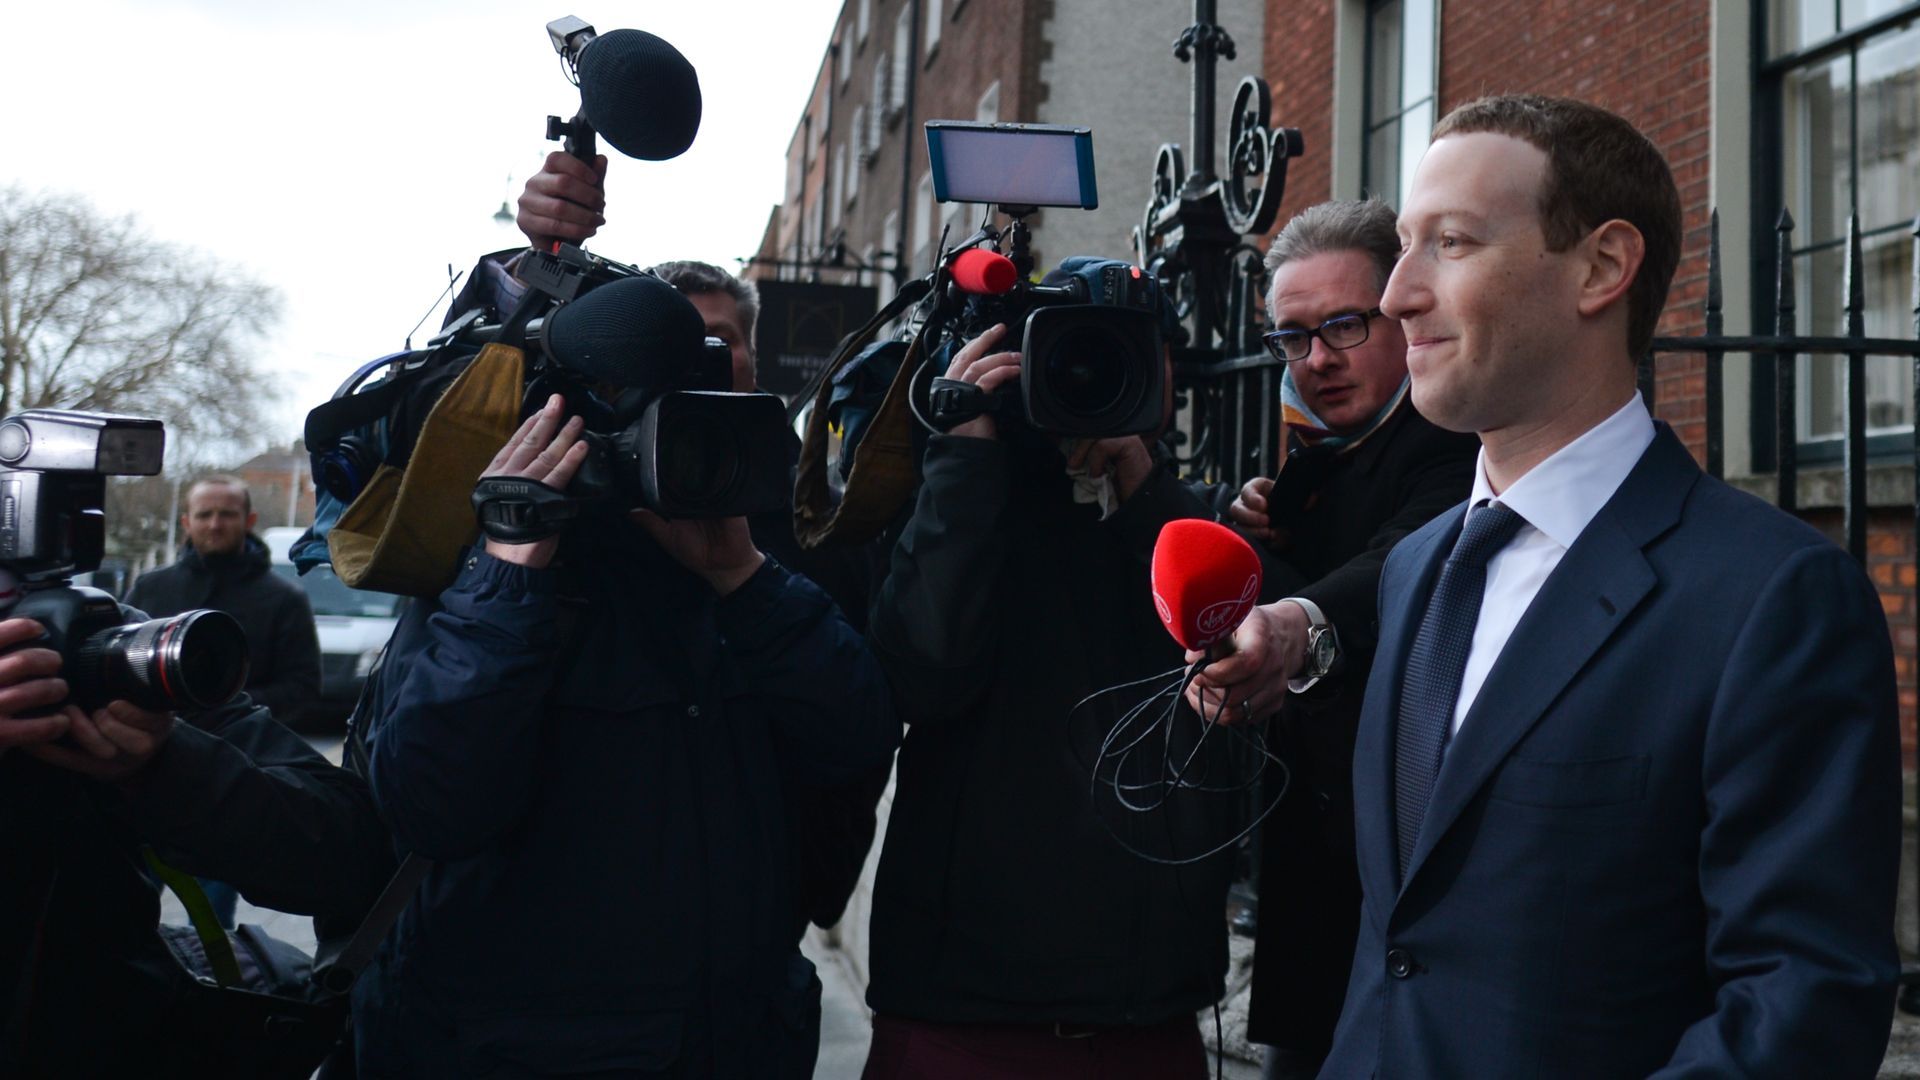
x: 1613, y: 254
x: 253, y: 518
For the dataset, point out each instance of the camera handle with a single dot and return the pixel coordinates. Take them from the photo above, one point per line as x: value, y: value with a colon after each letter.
x: 515, y: 510
x: 952, y: 402
x: 575, y: 136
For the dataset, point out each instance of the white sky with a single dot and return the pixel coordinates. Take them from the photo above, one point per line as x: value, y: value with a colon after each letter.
x: 346, y: 151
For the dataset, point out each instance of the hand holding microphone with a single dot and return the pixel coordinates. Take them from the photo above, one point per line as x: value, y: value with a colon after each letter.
x: 639, y: 93
x: 1251, y: 680
x: 1206, y: 579
x: 565, y: 200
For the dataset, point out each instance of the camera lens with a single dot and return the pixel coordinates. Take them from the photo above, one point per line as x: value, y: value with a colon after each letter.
x: 196, y: 659
x: 1085, y: 369
x: 701, y: 464
x: 344, y: 470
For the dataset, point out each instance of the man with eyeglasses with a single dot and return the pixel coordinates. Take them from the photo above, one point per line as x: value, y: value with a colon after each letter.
x: 1362, y: 469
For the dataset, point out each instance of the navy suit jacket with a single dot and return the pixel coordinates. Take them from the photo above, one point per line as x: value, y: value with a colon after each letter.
x: 1666, y: 838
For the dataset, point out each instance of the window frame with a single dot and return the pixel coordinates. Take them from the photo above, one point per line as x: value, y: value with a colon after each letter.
x: 1371, y: 119
x: 1768, y: 134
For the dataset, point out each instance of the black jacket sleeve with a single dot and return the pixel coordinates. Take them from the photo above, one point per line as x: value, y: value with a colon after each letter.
x: 235, y: 796
x: 932, y: 620
x: 1438, y: 474
x: 294, y: 682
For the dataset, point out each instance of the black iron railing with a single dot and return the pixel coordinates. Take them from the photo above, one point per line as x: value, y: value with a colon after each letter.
x: 1782, y: 351
x: 1201, y: 236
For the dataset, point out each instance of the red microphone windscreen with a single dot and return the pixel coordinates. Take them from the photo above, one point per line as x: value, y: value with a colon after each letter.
x: 983, y: 272
x: 1205, y: 581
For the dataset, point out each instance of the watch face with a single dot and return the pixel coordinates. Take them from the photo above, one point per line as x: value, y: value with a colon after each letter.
x: 1324, y: 649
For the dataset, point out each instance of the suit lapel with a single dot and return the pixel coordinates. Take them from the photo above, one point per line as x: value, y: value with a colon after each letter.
x: 1403, y: 602
x: 1587, y: 598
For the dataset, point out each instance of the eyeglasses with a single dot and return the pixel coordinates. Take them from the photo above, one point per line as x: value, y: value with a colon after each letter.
x: 1340, y: 332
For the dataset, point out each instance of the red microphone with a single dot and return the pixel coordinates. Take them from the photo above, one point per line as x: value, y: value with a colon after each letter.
x: 1206, y: 579
x: 983, y: 272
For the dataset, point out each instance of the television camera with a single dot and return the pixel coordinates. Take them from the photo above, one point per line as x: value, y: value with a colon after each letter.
x: 1090, y: 335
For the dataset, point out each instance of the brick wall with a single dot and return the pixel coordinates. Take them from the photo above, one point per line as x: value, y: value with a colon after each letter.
x: 1890, y: 564
x: 1298, y: 64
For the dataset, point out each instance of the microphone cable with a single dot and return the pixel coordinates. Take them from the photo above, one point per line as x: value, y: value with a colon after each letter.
x: 1142, y: 767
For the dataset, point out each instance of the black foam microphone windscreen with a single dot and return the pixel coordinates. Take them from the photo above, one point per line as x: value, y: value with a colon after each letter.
x: 637, y: 331
x: 640, y: 94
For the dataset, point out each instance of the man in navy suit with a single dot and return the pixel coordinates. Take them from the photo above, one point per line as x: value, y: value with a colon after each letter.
x: 1627, y: 789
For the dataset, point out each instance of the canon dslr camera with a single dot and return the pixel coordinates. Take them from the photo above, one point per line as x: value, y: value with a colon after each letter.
x: 53, y: 470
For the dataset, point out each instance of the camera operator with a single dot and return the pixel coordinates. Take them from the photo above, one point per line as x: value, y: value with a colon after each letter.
x: 88, y: 988
x: 831, y: 828
x: 590, y: 734
x: 1012, y: 936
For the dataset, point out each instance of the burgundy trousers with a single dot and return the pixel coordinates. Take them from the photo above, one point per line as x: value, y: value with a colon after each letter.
x: 919, y: 1050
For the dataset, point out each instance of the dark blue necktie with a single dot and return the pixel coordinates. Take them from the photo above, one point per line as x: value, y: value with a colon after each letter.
x: 1435, y: 666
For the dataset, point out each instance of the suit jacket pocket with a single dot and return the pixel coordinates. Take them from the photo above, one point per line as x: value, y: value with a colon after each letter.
x: 1607, y: 782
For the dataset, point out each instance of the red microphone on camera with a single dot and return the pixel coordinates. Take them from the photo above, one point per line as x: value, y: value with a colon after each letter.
x: 984, y: 273
x: 1206, y: 578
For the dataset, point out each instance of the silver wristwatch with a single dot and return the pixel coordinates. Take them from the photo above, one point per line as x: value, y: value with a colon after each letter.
x: 1323, y: 646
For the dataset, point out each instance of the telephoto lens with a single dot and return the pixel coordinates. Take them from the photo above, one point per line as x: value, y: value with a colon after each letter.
x: 193, y: 660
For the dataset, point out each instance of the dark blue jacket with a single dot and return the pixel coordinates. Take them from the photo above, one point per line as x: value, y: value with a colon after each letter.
x: 1666, y: 838
x: 601, y: 792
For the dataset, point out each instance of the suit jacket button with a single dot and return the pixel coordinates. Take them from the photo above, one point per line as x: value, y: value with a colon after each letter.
x: 1399, y: 963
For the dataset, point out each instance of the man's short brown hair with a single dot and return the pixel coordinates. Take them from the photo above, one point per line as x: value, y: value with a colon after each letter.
x: 1599, y: 167
x: 226, y: 480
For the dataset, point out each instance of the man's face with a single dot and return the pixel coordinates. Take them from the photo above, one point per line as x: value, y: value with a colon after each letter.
x: 1345, y: 388
x: 1483, y: 303
x: 216, y: 521
x: 722, y: 313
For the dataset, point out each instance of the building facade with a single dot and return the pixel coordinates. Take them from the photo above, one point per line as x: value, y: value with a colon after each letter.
x: 1811, y: 106
x: 859, y: 204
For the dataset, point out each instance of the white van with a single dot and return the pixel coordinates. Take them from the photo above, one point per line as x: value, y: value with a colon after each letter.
x: 353, y: 624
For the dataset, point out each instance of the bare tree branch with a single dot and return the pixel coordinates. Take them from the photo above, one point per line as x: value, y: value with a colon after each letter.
x: 95, y: 315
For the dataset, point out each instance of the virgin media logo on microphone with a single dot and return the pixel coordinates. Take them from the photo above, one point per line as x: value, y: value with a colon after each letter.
x: 1219, y: 619
x: 1205, y: 578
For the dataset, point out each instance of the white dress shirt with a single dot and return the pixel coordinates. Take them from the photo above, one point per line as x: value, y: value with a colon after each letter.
x: 1557, y: 498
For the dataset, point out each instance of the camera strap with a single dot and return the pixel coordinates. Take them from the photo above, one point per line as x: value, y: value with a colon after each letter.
x: 952, y: 402
x: 516, y: 510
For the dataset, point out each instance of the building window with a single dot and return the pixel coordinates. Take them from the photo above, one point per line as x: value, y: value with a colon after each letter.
x: 902, y: 60
x: 922, y: 220
x: 882, y: 71
x: 1843, y: 82
x: 936, y: 14
x: 842, y: 58
x: 862, y: 19
x: 890, y: 235
x: 859, y: 155
x: 837, y: 196
x: 1399, y: 98
x: 988, y: 110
